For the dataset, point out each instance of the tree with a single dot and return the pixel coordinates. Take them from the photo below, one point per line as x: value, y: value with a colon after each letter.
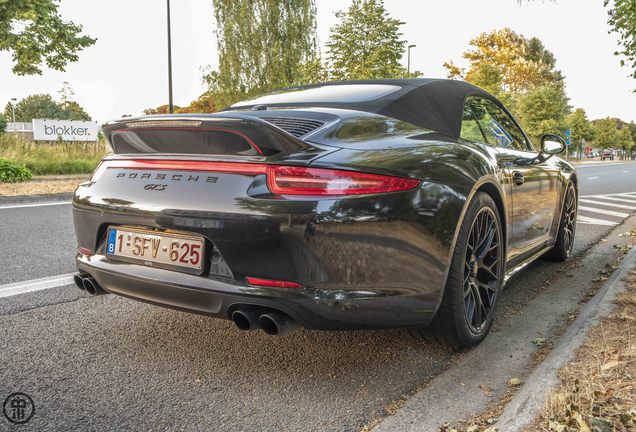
x: 624, y: 139
x: 622, y: 18
x: 42, y: 106
x: 543, y: 110
x: 503, y: 61
x: 66, y: 94
x: 72, y: 110
x: 580, y: 129
x: 313, y: 72
x: 366, y: 43
x: 35, y: 34
x: 35, y: 106
x: 261, y: 44
x: 3, y: 124
x: 632, y: 129
x: 606, y: 133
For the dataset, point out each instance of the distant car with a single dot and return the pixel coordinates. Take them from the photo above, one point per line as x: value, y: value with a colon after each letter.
x: 350, y: 205
x: 607, y: 154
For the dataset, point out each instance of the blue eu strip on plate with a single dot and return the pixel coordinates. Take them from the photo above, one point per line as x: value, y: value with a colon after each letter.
x: 112, y: 237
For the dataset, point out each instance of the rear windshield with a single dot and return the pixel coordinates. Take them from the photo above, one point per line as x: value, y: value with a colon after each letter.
x: 345, y: 93
x: 181, y: 140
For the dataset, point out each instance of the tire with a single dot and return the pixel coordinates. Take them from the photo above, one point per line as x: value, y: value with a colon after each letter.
x: 562, y: 248
x: 454, y: 325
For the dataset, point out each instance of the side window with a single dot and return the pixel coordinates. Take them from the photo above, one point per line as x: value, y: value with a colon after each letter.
x: 471, y: 129
x: 501, y: 130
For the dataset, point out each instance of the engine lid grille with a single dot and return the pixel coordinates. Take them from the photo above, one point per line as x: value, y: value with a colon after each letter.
x: 297, y: 127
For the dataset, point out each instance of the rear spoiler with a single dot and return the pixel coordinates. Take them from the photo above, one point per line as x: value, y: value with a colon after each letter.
x: 220, y: 133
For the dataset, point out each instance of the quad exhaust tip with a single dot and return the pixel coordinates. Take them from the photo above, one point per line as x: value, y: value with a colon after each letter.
x: 276, y: 323
x: 246, y: 319
x: 88, y: 283
x: 272, y: 322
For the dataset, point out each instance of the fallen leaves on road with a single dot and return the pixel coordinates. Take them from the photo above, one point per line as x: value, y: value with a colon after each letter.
x: 487, y: 390
x: 539, y: 341
x: 514, y: 382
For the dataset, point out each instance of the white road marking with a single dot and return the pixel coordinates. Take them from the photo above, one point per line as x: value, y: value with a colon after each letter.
x: 16, y: 288
x: 40, y: 204
x: 592, y: 178
x: 607, y: 204
x: 592, y: 221
x: 598, y: 164
x: 603, y: 211
x: 611, y: 198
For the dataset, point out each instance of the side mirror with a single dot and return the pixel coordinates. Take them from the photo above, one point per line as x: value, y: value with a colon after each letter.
x: 552, y: 144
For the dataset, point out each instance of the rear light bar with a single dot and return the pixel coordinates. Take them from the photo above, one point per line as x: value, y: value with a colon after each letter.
x: 281, y: 180
x: 271, y: 283
x: 289, y: 180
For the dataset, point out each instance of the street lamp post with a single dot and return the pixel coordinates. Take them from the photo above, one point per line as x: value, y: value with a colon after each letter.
x: 13, y: 100
x: 408, y: 56
x: 170, y: 105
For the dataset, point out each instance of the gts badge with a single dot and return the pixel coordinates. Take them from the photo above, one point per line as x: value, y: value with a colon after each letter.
x: 156, y: 187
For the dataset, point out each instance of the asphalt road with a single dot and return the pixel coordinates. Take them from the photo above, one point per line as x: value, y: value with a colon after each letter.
x: 110, y: 363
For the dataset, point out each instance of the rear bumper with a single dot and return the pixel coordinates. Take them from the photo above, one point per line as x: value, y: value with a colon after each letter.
x: 312, y: 308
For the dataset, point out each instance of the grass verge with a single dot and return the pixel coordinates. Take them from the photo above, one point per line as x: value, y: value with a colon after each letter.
x: 52, y: 157
x: 598, y: 387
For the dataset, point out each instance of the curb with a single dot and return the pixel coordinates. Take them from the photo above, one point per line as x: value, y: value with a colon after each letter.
x: 525, y: 405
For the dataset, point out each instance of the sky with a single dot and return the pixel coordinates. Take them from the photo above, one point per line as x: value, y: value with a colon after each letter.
x: 126, y: 70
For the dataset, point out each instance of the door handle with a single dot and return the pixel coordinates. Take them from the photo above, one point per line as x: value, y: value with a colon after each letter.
x: 517, y: 178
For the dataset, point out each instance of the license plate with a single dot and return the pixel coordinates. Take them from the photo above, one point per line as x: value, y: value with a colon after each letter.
x: 165, y: 250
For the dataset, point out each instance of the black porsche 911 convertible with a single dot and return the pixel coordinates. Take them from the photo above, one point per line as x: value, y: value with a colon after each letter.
x: 350, y: 205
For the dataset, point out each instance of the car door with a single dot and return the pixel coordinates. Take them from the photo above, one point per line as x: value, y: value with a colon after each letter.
x: 533, y: 188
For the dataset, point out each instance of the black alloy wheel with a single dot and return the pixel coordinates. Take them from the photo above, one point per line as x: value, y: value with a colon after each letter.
x: 481, y: 270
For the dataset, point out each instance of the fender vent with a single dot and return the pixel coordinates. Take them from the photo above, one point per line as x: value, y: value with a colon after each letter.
x: 295, y: 126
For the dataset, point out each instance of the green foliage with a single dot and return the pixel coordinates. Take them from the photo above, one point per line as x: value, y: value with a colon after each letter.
x: 52, y: 158
x: 503, y: 61
x: 313, y: 72
x: 606, y: 133
x: 632, y: 129
x: 543, y: 110
x: 366, y: 43
x: 11, y: 172
x: 622, y: 19
x: 581, y: 128
x: 3, y: 123
x: 262, y: 45
x: 624, y: 139
x: 41, y: 106
x: 35, y: 34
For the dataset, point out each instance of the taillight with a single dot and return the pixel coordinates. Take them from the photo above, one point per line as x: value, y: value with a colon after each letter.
x: 289, y: 180
x: 281, y: 180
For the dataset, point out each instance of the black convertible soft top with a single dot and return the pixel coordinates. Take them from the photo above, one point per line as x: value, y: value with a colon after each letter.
x: 435, y: 104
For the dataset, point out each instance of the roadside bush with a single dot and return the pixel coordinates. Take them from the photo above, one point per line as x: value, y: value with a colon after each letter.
x: 3, y: 124
x: 11, y: 172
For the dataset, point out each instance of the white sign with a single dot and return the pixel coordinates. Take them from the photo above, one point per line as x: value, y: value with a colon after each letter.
x: 66, y: 130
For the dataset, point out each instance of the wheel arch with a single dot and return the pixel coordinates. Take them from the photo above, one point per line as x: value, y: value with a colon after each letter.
x: 489, y: 184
